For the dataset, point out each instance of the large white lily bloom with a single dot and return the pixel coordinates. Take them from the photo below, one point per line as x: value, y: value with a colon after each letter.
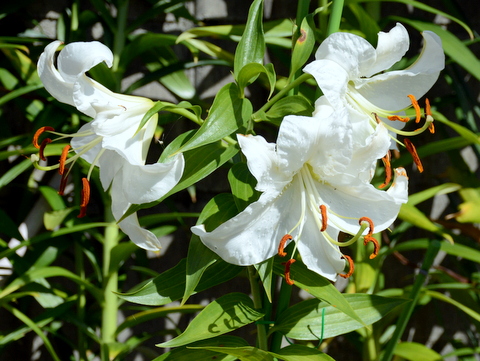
x: 350, y: 72
x: 313, y: 164
x: 112, y: 139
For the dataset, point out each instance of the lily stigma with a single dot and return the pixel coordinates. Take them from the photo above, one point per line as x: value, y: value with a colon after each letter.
x: 314, y: 184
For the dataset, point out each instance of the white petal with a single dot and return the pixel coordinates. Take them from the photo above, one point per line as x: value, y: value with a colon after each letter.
x: 389, y: 90
x: 331, y: 78
x: 399, y: 188
x: 318, y: 254
x: 76, y: 59
x: 253, y: 235
x: 55, y: 84
x: 391, y: 47
x: 130, y: 226
x: 361, y: 200
x: 263, y: 162
x: 350, y: 51
x: 147, y: 183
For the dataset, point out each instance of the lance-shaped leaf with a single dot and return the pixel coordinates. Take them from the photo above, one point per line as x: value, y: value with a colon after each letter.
x: 229, y: 112
x: 304, y: 321
x: 170, y: 285
x: 219, y: 209
x: 223, y: 315
x: 304, y: 44
x: 317, y: 286
x: 251, y: 47
x: 250, y: 73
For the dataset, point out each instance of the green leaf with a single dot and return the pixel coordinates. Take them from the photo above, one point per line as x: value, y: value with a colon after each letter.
x: 460, y: 306
x: 170, y: 285
x: 218, y: 210
x: 301, y: 353
x: 413, y: 215
x: 229, y: 112
x: 304, y: 45
x: 290, y: 105
x: 242, y: 183
x: 223, y: 315
x: 265, y: 271
x: 317, y: 286
x: 250, y: 73
x: 14, y: 172
x: 54, y: 219
x: 196, y: 352
x: 422, y: 196
x: 154, y: 313
x: 304, y: 320
x: 464, y: 132
x: 414, y: 351
x: 245, y: 353
x: 251, y: 47
x: 456, y: 249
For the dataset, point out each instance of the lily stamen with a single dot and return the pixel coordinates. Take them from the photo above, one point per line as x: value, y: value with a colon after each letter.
x: 63, y: 182
x: 287, y: 271
x: 376, y: 245
x: 63, y: 158
x: 388, y: 170
x: 418, y: 114
x: 411, y: 149
x: 42, y: 148
x: 367, y: 220
x: 351, y: 267
x: 323, y: 211
x: 85, y: 198
x: 38, y: 133
x: 281, y: 246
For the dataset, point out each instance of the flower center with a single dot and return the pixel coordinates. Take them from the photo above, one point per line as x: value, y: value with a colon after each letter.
x: 318, y: 210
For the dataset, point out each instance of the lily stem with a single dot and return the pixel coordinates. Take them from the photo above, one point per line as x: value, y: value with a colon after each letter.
x: 110, y: 285
x: 335, y: 17
x: 257, y: 303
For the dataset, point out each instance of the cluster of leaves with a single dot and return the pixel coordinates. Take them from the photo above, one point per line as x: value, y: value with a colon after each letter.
x: 79, y: 297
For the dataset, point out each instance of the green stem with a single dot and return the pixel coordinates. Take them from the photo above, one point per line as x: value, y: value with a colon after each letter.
x: 119, y: 41
x: 110, y: 285
x: 432, y: 251
x: 283, y: 303
x: 257, y: 303
x: 302, y: 78
x: 335, y: 17
x: 81, y: 301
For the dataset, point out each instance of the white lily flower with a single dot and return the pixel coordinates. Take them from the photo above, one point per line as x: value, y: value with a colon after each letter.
x: 313, y: 185
x: 350, y: 72
x: 112, y: 140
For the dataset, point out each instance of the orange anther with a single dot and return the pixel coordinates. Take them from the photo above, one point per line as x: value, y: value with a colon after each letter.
x: 281, y: 246
x: 38, y: 133
x: 431, y: 128
x: 428, y: 110
x: 63, y: 158
x: 351, y: 267
x: 85, y: 198
x: 42, y: 148
x: 287, y: 271
x: 398, y: 117
x: 418, y: 114
x: 63, y: 183
x: 411, y: 148
x: 323, y: 211
x: 370, y: 224
x: 388, y: 170
x: 376, y: 246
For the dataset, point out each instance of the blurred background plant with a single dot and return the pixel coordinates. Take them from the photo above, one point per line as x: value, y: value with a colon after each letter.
x: 58, y: 272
